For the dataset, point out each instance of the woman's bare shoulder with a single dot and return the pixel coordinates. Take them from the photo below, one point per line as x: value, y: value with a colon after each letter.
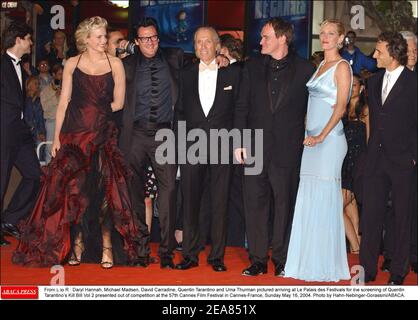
x: 71, y: 63
x: 114, y: 61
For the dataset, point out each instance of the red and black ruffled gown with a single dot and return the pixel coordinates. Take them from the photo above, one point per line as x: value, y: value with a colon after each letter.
x: 84, y: 187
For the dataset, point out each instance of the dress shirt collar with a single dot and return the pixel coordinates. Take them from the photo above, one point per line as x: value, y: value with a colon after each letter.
x: 15, y: 59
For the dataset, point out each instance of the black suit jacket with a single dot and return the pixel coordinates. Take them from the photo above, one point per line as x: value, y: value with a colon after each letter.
x: 282, y: 124
x: 221, y: 114
x: 14, y: 130
x: 395, y: 131
x: 174, y: 58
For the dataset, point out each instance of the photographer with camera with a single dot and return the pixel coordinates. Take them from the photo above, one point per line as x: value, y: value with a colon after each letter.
x: 117, y: 45
x: 50, y: 96
x: 357, y: 59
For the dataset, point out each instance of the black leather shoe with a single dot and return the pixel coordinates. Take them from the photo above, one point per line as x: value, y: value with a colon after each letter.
x: 395, y: 280
x: 218, y: 266
x: 142, y: 262
x: 254, y: 270
x: 279, y: 270
x: 3, y: 241
x: 166, y: 263
x: 369, y: 278
x: 414, y: 267
x: 10, y: 230
x: 386, y: 265
x: 187, y: 264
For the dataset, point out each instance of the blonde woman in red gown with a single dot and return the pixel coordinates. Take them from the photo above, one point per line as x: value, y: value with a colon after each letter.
x: 83, y: 211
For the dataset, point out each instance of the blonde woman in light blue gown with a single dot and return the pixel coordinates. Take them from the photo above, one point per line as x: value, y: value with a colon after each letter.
x: 317, y: 250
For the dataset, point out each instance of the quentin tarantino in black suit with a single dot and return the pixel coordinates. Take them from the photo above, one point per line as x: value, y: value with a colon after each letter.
x: 273, y: 98
x: 17, y: 145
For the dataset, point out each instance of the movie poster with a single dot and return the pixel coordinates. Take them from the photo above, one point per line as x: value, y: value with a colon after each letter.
x: 299, y: 13
x: 177, y: 19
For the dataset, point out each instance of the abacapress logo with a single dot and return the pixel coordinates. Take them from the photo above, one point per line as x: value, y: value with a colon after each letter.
x: 18, y: 292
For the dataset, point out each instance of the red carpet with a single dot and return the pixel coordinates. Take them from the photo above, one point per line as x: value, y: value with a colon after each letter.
x: 236, y: 260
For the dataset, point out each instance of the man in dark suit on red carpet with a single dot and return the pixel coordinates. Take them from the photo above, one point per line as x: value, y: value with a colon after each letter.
x: 273, y: 98
x: 207, y: 101
x: 17, y: 145
x: 391, y: 156
x: 152, y: 84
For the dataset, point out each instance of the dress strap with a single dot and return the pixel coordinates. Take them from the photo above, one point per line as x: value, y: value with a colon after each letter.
x: 341, y: 60
x: 79, y: 58
x: 351, y: 77
x: 109, y: 62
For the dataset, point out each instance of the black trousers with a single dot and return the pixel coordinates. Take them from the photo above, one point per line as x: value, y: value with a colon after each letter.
x: 388, y: 176
x: 275, y: 184
x: 389, y: 228
x: 143, y: 148
x: 24, y: 158
x: 236, y: 218
x: 193, y: 185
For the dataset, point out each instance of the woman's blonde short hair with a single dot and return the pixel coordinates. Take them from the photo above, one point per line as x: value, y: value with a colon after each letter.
x: 338, y: 23
x: 84, y: 29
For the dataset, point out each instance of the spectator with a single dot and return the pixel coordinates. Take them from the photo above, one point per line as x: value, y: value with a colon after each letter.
x: 116, y: 44
x: 27, y: 66
x: 411, y: 40
x: 232, y: 48
x: 57, y: 50
x: 49, y: 100
x: 33, y: 114
x: 358, y: 60
x: 44, y: 76
x: 316, y: 58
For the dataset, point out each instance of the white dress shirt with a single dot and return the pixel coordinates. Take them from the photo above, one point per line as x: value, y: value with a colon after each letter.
x: 392, y: 76
x: 15, y: 61
x: 207, y: 87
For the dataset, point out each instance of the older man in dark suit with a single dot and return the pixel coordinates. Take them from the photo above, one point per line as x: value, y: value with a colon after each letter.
x: 207, y: 101
x: 17, y: 147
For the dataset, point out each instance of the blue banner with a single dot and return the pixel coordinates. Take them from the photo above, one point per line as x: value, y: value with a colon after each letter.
x: 298, y: 12
x: 177, y: 20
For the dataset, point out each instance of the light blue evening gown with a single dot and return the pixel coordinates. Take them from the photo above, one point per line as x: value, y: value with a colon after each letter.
x: 317, y: 250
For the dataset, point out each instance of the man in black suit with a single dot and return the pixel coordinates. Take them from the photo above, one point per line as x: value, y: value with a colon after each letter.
x: 273, y: 98
x: 207, y: 101
x: 152, y: 86
x: 411, y: 40
x: 391, y: 156
x: 17, y: 148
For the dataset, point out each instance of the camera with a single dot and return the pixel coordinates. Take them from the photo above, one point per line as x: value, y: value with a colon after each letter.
x: 347, y: 41
x: 57, y: 83
x: 129, y: 49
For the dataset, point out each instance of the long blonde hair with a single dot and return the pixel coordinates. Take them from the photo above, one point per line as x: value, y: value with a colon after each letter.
x: 84, y: 29
x: 65, y: 45
x: 30, y: 92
